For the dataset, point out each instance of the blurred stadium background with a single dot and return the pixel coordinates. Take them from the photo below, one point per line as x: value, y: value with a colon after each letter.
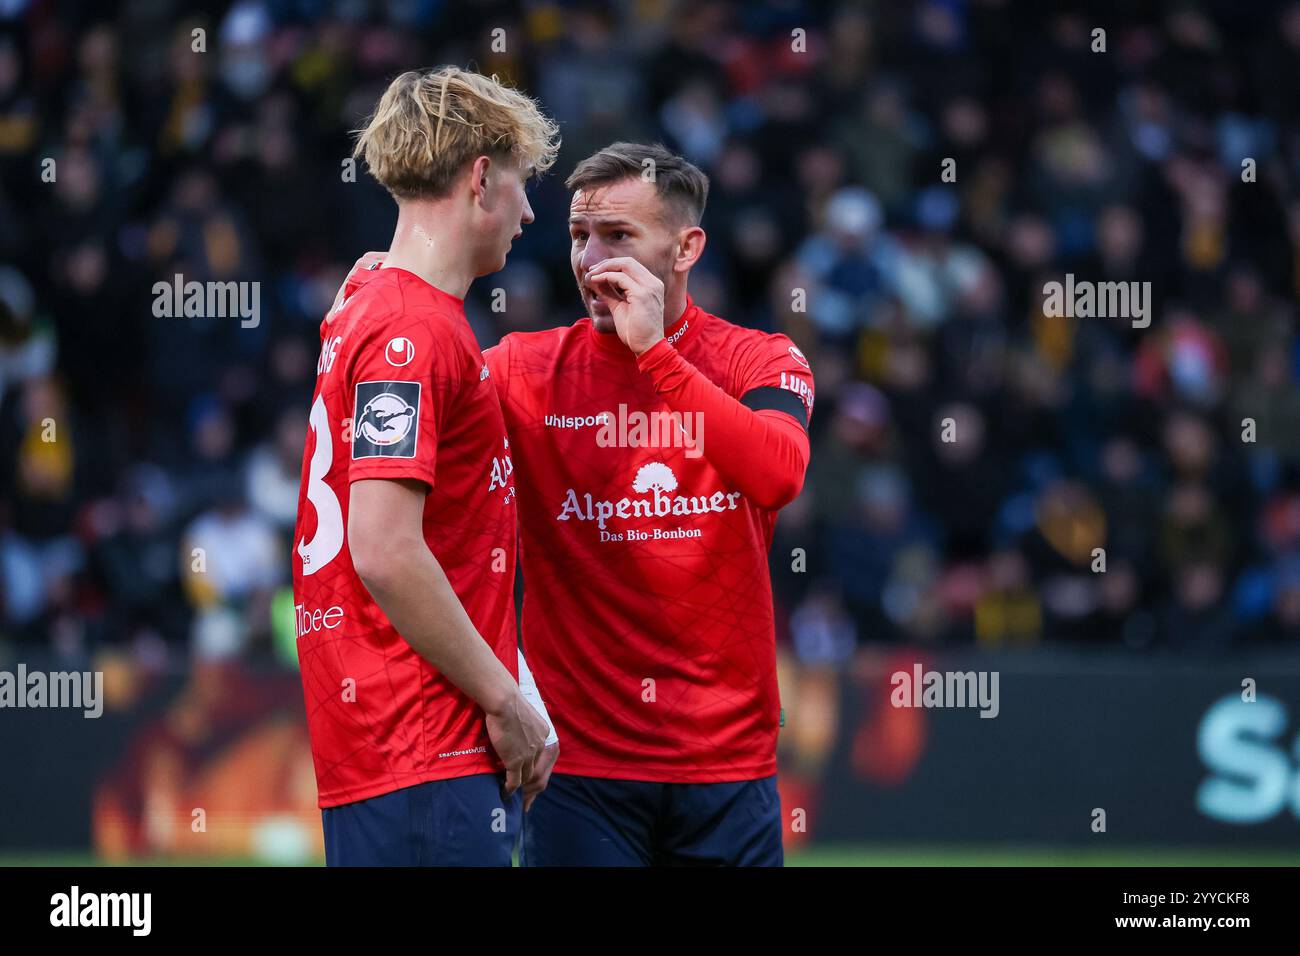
x: 1120, y: 690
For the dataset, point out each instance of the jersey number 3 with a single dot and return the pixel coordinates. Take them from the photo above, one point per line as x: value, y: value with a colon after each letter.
x: 328, y: 540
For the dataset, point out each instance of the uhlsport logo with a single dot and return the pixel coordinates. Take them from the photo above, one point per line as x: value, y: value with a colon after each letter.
x: 387, y: 416
x: 400, y: 351
x: 656, y: 486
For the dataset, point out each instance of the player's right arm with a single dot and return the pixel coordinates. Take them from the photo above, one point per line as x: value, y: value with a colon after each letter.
x: 390, y: 555
x: 762, y: 448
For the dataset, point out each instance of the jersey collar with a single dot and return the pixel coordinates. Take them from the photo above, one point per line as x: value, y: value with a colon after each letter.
x: 686, y: 326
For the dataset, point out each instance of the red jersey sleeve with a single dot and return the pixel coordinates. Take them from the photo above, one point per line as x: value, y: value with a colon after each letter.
x: 759, y: 442
x: 403, y: 380
x: 774, y: 375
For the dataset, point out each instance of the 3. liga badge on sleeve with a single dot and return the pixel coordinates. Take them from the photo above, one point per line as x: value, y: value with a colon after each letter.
x: 386, y: 416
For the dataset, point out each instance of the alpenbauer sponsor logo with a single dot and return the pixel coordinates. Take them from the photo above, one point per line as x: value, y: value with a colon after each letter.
x: 656, y: 484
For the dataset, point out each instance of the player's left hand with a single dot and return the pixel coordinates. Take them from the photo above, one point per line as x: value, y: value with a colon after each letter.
x: 534, y: 786
x: 371, y: 260
x: 636, y: 300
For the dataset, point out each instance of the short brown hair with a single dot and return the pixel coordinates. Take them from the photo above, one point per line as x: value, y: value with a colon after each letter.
x: 680, y: 184
x: 428, y: 125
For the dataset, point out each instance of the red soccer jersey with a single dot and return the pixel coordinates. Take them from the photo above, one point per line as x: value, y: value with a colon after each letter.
x: 402, y: 391
x: 648, y: 617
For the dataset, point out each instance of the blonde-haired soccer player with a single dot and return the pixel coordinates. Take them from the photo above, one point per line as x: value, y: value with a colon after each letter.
x: 405, y: 539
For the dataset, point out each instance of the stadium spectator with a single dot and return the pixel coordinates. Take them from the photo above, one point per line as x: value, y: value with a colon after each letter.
x: 918, y: 298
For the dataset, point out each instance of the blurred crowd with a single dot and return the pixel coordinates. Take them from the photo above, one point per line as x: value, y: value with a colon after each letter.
x: 1104, y: 486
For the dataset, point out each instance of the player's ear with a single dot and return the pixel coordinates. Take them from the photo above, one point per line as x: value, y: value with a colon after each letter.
x: 690, y: 246
x: 478, y: 180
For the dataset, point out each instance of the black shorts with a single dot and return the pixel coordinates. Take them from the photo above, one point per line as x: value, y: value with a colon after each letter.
x: 458, y: 822
x: 591, y: 821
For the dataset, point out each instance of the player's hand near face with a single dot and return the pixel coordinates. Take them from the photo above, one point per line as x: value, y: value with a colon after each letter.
x: 518, y: 735
x: 636, y: 300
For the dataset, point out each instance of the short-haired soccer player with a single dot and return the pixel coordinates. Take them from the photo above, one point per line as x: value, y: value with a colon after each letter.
x: 654, y: 444
x: 405, y: 539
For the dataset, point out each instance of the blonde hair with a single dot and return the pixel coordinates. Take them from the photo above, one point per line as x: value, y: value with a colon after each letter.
x: 427, y: 126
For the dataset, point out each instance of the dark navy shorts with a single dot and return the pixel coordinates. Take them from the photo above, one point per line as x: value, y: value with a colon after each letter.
x: 458, y: 822
x: 591, y: 821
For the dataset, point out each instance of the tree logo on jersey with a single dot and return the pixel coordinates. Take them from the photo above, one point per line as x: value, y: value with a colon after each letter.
x: 654, y: 475
x: 799, y: 357
x: 400, y: 351
x: 385, y: 416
